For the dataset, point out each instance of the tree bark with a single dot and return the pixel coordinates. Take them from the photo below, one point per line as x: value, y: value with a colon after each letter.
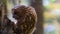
x: 3, y: 12
x: 37, y: 4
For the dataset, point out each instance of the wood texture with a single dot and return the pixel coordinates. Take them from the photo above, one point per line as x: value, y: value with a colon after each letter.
x: 37, y: 4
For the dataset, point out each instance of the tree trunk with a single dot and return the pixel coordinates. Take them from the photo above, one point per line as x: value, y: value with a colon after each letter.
x: 37, y: 4
x: 3, y: 12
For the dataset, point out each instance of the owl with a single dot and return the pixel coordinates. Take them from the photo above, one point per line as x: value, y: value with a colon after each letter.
x: 26, y: 19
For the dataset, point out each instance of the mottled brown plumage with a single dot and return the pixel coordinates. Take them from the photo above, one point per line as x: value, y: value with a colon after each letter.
x: 26, y: 19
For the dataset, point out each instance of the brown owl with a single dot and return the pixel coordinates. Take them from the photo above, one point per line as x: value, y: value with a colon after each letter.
x: 26, y: 19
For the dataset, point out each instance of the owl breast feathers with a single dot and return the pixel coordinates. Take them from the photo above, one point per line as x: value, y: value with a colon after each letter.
x: 26, y: 19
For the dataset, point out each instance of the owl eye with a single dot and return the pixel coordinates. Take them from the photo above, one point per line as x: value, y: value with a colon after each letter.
x: 0, y: 13
x: 15, y: 13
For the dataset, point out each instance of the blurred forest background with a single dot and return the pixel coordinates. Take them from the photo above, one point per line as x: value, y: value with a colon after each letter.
x: 7, y: 5
x: 51, y: 16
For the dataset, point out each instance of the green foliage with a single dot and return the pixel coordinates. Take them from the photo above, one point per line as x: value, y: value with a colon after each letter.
x: 52, y: 0
x: 4, y: 1
x: 50, y: 20
x: 58, y: 19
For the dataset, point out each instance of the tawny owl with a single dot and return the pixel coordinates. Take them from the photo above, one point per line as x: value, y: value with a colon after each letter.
x: 26, y: 19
